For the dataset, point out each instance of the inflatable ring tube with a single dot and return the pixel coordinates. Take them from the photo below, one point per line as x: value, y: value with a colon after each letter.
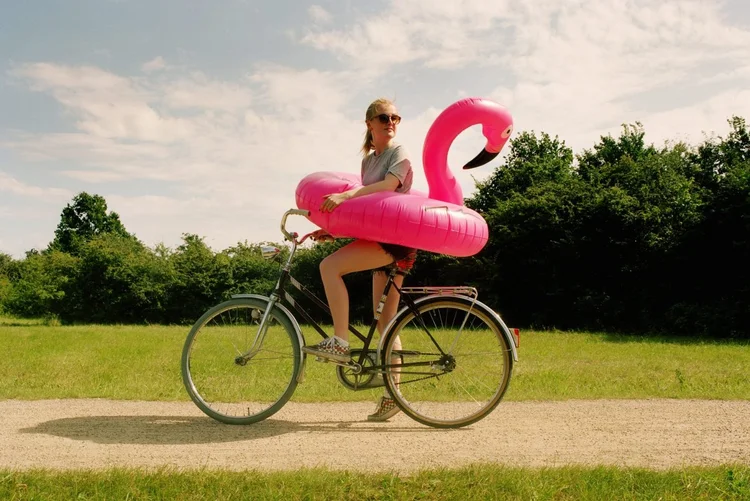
x: 438, y: 222
x: 410, y: 219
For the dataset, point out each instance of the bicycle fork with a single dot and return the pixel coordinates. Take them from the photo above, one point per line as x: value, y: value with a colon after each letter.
x: 260, y: 336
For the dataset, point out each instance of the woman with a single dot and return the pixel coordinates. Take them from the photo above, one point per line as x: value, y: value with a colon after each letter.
x: 385, y: 167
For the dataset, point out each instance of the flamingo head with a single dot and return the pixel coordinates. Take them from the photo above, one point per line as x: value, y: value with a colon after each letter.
x: 497, y: 134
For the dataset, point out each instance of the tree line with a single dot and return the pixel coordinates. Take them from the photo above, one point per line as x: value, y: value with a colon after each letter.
x: 624, y: 236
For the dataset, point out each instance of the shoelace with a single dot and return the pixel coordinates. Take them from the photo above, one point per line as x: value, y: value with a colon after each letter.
x: 328, y: 342
x: 386, y: 404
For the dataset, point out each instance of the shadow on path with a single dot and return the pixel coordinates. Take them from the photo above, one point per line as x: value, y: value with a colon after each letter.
x: 195, y: 430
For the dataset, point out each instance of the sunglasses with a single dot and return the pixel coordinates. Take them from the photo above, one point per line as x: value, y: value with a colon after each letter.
x: 384, y: 119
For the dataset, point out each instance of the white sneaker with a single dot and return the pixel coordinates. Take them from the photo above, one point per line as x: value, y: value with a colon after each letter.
x: 385, y: 410
x: 331, y: 348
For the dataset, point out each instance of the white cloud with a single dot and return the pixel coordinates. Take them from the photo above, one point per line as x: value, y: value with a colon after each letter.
x: 245, y: 145
x: 309, y: 95
x: 20, y: 242
x: 707, y: 117
x: 573, y: 68
x: 94, y: 176
x: 155, y: 64
x: 232, y: 150
x: 105, y: 104
x: 319, y: 15
x: 129, y: 159
x: 439, y: 33
x: 199, y: 92
x: 580, y: 70
x: 9, y: 184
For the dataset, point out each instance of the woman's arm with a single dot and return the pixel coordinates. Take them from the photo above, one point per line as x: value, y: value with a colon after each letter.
x: 330, y: 202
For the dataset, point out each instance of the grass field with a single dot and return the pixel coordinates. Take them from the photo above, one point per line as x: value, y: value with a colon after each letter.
x: 472, y: 483
x: 143, y: 363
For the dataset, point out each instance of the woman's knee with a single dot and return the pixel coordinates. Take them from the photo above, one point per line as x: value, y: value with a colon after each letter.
x: 329, y: 268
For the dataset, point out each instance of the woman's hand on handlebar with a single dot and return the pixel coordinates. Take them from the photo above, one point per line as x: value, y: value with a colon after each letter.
x: 321, y: 236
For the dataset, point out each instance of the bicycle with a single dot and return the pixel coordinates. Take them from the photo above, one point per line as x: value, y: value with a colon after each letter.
x: 445, y: 357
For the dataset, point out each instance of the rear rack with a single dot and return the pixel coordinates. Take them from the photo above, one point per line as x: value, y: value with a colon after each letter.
x: 439, y: 289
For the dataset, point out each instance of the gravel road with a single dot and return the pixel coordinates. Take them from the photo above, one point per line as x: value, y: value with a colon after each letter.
x: 92, y: 434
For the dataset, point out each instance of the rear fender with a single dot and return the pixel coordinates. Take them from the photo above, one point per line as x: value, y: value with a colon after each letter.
x: 477, y: 304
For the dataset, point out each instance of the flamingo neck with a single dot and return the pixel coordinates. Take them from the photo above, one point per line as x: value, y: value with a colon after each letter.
x: 443, y: 184
x: 496, y: 126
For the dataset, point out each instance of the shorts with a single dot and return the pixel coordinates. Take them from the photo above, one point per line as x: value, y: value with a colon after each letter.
x: 403, y: 257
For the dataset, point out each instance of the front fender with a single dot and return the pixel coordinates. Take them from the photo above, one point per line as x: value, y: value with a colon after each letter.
x: 294, y: 323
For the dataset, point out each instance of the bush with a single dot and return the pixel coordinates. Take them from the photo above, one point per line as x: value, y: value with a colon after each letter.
x: 118, y: 280
x: 39, y: 283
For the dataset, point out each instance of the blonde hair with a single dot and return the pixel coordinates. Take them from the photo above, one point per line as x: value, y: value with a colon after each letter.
x: 372, y: 111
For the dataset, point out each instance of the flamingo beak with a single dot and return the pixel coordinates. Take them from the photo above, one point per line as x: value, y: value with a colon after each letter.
x: 481, y: 159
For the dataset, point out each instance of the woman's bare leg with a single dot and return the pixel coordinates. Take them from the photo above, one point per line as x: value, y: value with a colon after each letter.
x: 359, y: 255
x: 391, y: 305
x: 389, y: 309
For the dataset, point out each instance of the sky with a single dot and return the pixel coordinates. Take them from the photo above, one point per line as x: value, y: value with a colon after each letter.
x: 202, y: 117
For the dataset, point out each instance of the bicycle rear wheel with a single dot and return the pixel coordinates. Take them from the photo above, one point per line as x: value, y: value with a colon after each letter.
x: 228, y: 386
x: 456, y: 361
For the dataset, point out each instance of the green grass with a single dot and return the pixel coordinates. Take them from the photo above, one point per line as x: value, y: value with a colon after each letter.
x: 559, y: 365
x: 143, y: 362
x: 476, y: 482
x: 44, y: 360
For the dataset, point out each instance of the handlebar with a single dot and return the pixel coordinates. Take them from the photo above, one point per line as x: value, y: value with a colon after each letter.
x: 292, y: 212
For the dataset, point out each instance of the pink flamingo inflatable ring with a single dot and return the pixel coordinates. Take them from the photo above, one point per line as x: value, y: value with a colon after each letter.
x: 435, y: 222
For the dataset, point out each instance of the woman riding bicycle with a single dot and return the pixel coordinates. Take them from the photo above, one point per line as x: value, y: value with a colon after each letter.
x: 385, y: 167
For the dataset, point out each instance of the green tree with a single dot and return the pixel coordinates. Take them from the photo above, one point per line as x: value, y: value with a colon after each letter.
x: 82, y: 220
x: 6, y: 262
x: 710, y: 268
x: 586, y: 247
x: 251, y: 273
x: 118, y: 280
x: 527, y: 203
x: 39, y: 282
x: 609, y: 152
x: 202, y: 279
x: 531, y: 160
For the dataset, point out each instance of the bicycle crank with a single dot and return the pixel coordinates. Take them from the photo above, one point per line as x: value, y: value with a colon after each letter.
x: 353, y: 366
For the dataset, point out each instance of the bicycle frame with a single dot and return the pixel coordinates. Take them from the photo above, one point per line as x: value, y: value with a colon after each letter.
x: 480, y: 365
x: 286, y: 278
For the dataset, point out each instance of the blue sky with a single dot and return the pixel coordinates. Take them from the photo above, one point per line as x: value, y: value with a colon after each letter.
x: 201, y: 117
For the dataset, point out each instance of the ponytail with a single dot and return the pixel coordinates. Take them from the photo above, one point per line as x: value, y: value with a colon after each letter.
x: 367, y: 146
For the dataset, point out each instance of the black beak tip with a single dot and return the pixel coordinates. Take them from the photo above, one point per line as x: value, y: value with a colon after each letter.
x: 481, y: 159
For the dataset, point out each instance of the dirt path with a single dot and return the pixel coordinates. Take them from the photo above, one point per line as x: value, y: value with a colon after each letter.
x: 101, y: 433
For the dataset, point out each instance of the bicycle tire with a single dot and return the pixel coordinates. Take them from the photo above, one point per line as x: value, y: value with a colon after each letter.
x: 435, y: 394
x: 231, y: 392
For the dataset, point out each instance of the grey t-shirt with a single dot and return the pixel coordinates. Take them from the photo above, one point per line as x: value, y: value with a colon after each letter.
x: 394, y: 160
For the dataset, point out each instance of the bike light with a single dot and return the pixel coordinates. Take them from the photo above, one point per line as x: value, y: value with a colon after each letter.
x: 517, y: 337
x: 269, y: 251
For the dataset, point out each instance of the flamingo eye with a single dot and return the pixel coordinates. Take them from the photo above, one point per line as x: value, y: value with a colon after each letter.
x: 507, y: 131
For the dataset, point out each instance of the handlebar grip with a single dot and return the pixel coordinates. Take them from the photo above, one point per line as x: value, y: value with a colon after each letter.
x: 292, y: 212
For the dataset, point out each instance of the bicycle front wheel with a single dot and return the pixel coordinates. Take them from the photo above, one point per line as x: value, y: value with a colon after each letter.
x: 449, y: 363
x: 227, y: 375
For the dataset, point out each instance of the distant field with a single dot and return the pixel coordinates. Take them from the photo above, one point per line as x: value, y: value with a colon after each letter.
x: 143, y: 362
